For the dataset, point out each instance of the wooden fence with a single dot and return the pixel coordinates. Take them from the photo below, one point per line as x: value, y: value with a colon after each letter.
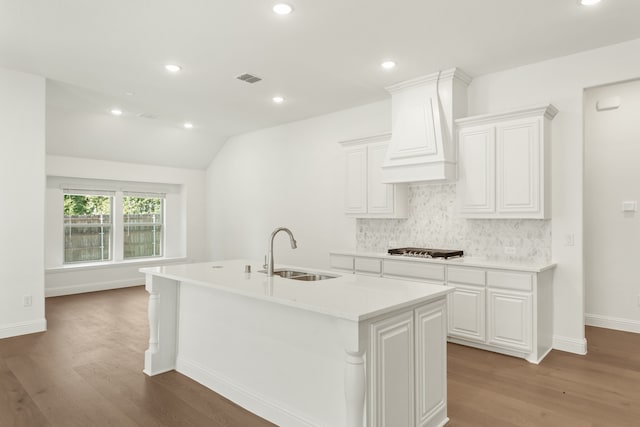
x: 89, y: 237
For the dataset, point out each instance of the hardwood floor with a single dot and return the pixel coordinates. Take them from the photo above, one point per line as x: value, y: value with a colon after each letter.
x: 86, y: 370
x: 599, y: 389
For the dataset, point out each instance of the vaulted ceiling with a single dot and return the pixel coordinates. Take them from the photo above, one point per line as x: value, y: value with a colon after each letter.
x: 323, y: 57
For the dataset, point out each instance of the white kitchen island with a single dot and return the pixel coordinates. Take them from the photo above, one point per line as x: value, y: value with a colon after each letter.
x: 348, y: 351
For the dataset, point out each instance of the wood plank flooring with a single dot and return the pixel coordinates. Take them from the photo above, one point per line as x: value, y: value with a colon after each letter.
x: 86, y: 370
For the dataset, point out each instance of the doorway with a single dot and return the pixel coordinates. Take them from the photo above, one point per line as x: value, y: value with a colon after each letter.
x: 611, y: 203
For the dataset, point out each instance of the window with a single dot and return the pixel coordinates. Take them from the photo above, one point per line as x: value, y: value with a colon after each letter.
x: 87, y: 226
x: 112, y: 225
x: 143, y: 224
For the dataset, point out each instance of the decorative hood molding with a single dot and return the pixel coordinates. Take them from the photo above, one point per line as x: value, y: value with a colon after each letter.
x: 423, y: 141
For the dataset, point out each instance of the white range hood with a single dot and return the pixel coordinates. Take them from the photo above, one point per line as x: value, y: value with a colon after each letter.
x: 423, y: 141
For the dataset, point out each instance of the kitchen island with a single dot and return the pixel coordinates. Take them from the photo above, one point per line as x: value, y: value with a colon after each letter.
x: 346, y: 351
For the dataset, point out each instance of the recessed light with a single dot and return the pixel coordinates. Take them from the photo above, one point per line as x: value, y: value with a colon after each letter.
x: 172, y: 68
x: 116, y: 112
x: 278, y: 99
x: 188, y: 125
x: 282, y: 9
x: 387, y: 65
x: 129, y: 93
x: 589, y: 2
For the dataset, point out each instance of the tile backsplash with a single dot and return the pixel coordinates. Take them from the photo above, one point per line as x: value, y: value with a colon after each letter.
x: 434, y: 223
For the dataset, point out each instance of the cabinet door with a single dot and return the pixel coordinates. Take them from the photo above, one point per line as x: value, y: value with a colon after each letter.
x: 467, y: 312
x: 510, y: 322
x: 476, y: 186
x: 431, y: 364
x: 391, y: 381
x: 368, y: 266
x: 518, y: 160
x: 356, y: 177
x: 341, y: 262
x: 379, y: 196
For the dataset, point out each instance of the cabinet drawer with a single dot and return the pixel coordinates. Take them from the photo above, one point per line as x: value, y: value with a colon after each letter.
x: 472, y: 276
x: 413, y: 270
x: 368, y: 266
x: 341, y: 262
x: 510, y: 280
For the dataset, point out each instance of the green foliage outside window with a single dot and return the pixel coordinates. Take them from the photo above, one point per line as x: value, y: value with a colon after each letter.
x: 75, y: 205
x: 141, y: 205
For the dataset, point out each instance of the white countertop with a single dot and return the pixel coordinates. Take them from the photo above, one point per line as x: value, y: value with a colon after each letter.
x: 349, y: 296
x: 462, y: 261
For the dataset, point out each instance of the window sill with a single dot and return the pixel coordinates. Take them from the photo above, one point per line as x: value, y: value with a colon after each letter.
x: 140, y: 262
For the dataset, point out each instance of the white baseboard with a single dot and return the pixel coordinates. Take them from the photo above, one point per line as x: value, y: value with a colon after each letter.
x: 92, y: 287
x: 619, y: 324
x: 571, y: 345
x: 249, y: 400
x: 22, y: 328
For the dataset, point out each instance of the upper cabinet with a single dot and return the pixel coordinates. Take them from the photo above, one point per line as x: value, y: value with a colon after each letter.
x: 366, y: 196
x: 505, y: 164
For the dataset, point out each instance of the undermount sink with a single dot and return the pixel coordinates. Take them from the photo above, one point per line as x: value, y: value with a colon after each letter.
x: 301, y: 275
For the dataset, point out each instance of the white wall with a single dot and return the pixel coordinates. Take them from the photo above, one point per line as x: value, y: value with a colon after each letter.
x: 187, y: 237
x: 22, y: 148
x: 561, y: 82
x: 290, y: 175
x: 612, y: 237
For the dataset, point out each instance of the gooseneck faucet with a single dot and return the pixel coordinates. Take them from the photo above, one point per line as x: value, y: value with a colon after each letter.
x: 270, y: 253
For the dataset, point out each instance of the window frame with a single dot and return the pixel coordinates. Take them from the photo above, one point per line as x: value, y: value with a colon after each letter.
x: 117, y: 224
x: 65, y: 226
x: 163, y: 224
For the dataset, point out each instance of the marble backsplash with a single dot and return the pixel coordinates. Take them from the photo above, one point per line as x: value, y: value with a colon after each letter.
x: 434, y: 223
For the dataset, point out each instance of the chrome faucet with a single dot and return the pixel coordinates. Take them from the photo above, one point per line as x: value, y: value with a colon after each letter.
x: 270, y: 253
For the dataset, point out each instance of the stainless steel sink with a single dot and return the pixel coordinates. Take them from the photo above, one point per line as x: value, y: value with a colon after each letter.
x: 300, y: 275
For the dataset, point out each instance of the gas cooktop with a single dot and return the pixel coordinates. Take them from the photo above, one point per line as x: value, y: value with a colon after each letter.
x: 426, y: 253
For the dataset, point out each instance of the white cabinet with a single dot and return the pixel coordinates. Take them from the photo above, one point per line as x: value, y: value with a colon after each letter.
x: 505, y: 164
x: 366, y: 196
x: 407, y: 375
x: 368, y: 266
x: 510, y: 309
x: 501, y: 310
x: 510, y: 319
x: 498, y: 309
x: 391, y: 382
x: 476, y: 187
x: 467, y: 303
x: 430, y: 364
x: 342, y: 263
x: 467, y: 312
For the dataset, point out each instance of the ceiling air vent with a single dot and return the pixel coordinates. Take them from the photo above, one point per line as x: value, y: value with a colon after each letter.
x: 249, y: 78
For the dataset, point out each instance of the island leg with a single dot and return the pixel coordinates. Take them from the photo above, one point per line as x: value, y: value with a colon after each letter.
x: 353, y: 336
x: 354, y: 387
x: 163, y: 320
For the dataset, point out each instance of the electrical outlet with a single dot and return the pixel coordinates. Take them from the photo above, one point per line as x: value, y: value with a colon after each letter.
x: 509, y: 250
x: 569, y: 239
x: 27, y: 300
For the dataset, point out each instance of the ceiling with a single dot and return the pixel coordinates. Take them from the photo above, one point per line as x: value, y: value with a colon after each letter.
x: 323, y: 57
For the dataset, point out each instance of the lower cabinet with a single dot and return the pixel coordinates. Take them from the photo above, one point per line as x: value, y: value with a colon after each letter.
x: 508, y: 312
x: 408, y: 386
x: 467, y: 312
x: 510, y: 319
x: 501, y: 310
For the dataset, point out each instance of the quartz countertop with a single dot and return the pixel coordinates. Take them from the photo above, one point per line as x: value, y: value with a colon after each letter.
x: 461, y: 261
x: 349, y: 296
